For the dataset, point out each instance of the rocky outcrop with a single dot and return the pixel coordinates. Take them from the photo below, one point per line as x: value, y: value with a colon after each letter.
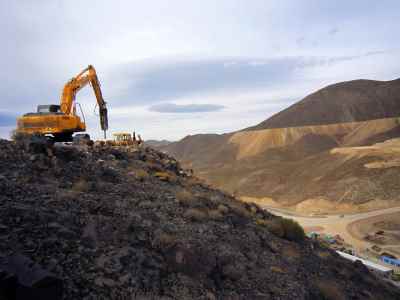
x: 120, y: 223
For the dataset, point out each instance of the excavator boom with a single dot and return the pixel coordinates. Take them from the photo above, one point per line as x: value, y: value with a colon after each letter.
x: 72, y: 87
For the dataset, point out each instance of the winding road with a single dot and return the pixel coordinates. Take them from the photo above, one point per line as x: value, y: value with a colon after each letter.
x: 336, y: 224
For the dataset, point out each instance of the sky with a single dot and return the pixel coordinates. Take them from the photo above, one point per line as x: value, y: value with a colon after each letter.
x: 181, y: 67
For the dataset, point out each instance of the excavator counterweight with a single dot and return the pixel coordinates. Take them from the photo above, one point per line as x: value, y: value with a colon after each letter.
x: 61, y: 121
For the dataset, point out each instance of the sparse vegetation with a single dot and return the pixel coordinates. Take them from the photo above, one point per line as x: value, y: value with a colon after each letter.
x: 80, y: 186
x: 164, y: 240
x: 215, y: 215
x: 293, y: 231
x: 185, y: 198
x: 277, y: 269
x: 222, y: 209
x: 262, y: 222
x: 141, y: 174
x: 285, y: 228
x: 275, y: 227
x: 253, y: 208
x: 166, y: 176
x: 323, y: 254
x: 195, y: 214
x: 240, y: 209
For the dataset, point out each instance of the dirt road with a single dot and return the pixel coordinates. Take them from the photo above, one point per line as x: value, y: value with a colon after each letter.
x: 337, y: 224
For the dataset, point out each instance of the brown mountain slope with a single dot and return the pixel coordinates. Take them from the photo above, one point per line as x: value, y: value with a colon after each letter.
x: 206, y: 150
x: 352, y: 101
x: 292, y: 164
x: 344, y: 175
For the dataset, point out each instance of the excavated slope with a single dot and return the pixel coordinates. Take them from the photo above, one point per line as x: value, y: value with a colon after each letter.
x: 365, y: 177
x: 199, y: 151
x: 291, y: 165
x: 250, y: 143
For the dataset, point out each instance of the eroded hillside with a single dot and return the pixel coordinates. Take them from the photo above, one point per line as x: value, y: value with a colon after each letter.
x: 288, y: 157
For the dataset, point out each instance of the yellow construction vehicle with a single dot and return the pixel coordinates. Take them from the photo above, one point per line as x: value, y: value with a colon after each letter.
x: 60, y: 122
x: 126, y: 139
x: 123, y: 139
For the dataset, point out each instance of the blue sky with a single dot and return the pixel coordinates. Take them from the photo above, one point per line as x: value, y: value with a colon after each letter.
x: 173, y: 68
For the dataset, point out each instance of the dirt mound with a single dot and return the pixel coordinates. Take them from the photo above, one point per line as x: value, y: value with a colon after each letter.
x: 351, y: 101
x: 125, y: 223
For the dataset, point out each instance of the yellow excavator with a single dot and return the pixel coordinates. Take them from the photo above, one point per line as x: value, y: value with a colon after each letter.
x: 60, y: 122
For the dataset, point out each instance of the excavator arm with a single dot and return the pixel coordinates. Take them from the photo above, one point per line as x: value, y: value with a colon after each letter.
x: 72, y: 87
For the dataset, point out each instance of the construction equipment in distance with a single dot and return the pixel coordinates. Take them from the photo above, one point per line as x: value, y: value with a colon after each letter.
x: 126, y: 139
x: 60, y: 122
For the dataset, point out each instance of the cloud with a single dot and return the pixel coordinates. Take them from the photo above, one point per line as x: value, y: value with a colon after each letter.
x: 153, y: 81
x: 183, y: 53
x: 188, y: 108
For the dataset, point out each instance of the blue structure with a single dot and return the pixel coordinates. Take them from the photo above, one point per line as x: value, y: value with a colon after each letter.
x: 391, y: 261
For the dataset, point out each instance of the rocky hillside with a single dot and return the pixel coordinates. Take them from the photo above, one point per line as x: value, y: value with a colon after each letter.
x: 259, y: 161
x: 128, y: 223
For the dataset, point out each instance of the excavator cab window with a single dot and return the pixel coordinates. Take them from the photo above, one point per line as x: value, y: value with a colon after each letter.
x: 49, y: 109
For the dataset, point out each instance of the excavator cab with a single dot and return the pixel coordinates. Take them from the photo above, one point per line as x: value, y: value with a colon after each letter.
x: 46, y: 109
x: 49, y: 109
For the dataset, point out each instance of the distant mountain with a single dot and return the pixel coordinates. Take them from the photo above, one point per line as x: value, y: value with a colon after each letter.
x: 157, y: 144
x: 291, y: 156
x: 352, y: 101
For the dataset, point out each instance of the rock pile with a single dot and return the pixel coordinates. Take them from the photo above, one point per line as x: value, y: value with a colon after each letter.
x: 120, y: 223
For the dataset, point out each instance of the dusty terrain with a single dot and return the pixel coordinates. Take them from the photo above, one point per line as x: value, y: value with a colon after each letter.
x: 124, y: 223
x: 344, y: 179
x: 354, y: 227
x: 367, y: 229
x: 323, y: 153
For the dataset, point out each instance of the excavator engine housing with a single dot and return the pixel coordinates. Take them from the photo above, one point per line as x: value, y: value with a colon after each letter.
x: 49, y: 120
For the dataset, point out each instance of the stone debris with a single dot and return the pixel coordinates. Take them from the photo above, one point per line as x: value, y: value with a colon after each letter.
x: 104, y: 222
x: 21, y: 278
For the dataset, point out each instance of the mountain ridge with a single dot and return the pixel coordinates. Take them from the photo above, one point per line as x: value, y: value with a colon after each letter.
x: 308, y: 111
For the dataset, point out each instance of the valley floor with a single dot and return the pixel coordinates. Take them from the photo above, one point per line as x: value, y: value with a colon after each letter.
x: 358, y: 229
